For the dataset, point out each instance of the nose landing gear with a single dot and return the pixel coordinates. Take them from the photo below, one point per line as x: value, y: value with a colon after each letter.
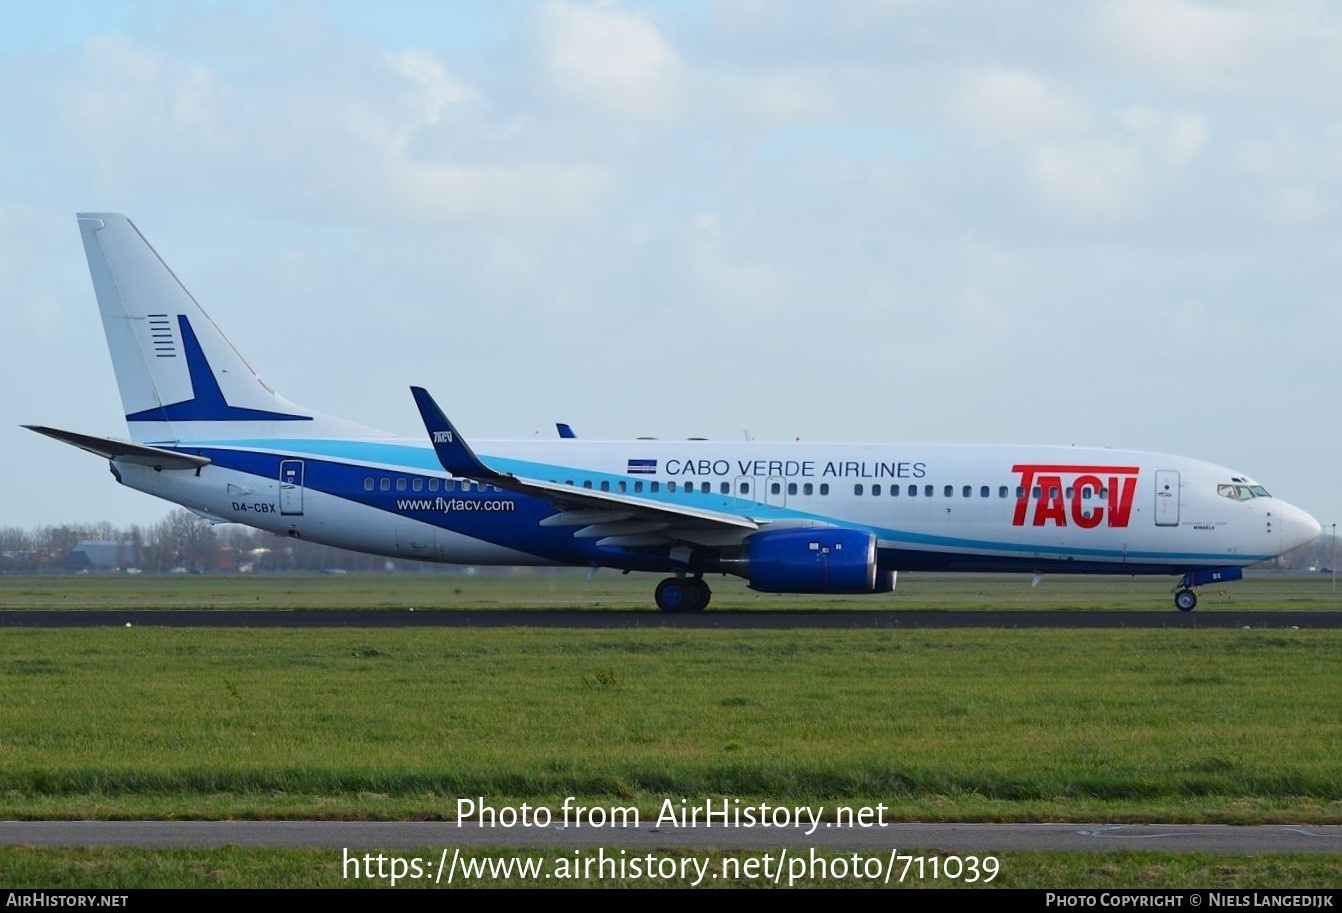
x: 1185, y: 600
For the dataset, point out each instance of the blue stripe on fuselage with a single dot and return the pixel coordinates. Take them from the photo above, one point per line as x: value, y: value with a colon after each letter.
x: 373, y: 457
x: 518, y: 529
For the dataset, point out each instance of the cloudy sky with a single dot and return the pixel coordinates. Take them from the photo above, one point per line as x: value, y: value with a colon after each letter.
x: 1112, y: 222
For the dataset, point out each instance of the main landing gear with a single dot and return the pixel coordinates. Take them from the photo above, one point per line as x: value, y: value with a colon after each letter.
x: 1185, y: 600
x: 683, y: 594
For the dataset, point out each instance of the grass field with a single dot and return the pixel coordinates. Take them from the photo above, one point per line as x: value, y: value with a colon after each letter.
x: 1165, y: 725
x: 236, y: 867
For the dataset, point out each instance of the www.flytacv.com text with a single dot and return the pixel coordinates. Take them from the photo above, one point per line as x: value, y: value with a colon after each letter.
x: 783, y: 867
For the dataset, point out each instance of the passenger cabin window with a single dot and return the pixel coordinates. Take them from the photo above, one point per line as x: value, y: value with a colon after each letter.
x: 654, y: 487
x: 400, y: 484
x: 1002, y: 492
x: 384, y: 485
x: 433, y: 484
x: 416, y: 484
x: 913, y: 491
x: 876, y: 490
x: 605, y: 486
x: 894, y: 491
x: 984, y: 492
x: 776, y: 488
x: 824, y: 488
x: 368, y: 484
x: 670, y: 486
x: 638, y: 486
x: 857, y: 489
x: 792, y: 488
x: 807, y: 488
x: 949, y: 491
x: 725, y: 488
x: 927, y: 491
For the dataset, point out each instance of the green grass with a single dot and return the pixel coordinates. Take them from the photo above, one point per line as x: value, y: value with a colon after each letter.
x: 234, y: 867
x: 567, y: 589
x: 1225, y: 726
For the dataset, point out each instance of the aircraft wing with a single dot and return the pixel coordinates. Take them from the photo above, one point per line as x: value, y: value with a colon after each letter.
x: 614, y: 519
x: 125, y: 451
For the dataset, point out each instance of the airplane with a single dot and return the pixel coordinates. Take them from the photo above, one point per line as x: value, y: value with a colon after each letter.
x: 208, y: 434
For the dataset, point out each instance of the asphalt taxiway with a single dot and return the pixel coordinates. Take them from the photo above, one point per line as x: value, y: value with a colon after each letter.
x: 611, y: 619
x: 952, y: 838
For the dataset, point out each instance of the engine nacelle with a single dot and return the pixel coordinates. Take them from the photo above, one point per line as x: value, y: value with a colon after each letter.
x: 811, y: 560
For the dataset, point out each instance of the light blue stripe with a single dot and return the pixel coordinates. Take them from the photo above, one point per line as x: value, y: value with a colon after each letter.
x: 421, y: 458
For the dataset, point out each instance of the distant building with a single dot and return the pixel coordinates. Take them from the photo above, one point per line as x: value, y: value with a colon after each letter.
x: 96, y: 555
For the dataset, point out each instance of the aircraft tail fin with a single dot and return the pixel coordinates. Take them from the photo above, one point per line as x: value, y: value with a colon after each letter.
x: 179, y: 376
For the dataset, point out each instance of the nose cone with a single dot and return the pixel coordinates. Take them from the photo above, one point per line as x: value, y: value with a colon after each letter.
x: 1297, y: 527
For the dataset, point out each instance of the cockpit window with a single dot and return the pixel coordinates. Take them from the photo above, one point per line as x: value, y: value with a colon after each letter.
x: 1242, y: 492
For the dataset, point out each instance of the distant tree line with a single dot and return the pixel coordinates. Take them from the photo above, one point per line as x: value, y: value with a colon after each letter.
x: 182, y: 541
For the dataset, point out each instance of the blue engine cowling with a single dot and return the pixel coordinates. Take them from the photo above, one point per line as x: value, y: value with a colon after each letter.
x: 812, y: 560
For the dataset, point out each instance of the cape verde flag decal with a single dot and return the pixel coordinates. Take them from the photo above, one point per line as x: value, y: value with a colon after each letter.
x: 642, y: 467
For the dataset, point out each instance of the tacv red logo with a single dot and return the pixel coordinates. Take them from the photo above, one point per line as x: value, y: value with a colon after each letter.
x: 1063, y: 490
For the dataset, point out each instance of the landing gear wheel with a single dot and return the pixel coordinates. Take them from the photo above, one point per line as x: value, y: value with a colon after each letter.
x: 680, y: 595
x: 705, y: 594
x: 1185, y: 600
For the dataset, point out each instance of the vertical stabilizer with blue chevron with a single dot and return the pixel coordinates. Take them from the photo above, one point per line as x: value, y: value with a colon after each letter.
x: 180, y: 378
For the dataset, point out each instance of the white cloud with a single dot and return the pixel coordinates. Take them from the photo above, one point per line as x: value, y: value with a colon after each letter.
x: 771, y: 96
x: 1177, y: 139
x: 1297, y: 205
x: 1186, y: 139
x: 609, y: 58
x: 1014, y: 103
x: 1190, y: 42
x: 373, y: 140
x: 1098, y: 178
x: 432, y: 87
x: 518, y: 194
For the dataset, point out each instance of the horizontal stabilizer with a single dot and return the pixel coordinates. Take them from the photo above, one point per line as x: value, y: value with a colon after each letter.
x: 124, y: 451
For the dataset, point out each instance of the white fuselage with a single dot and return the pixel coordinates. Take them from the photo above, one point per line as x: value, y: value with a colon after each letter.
x: 930, y: 506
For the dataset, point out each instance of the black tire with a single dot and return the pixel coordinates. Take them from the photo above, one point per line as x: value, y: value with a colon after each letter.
x: 1185, y: 600
x: 679, y: 595
x: 707, y: 594
x: 672, y: 595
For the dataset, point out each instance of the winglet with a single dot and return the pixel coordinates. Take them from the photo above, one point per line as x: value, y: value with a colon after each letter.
x: 565, y: 430
x: 453, y: 452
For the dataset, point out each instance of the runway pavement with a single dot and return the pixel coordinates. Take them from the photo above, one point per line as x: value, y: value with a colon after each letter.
x: 964, y: 837
x: 558, y: 618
